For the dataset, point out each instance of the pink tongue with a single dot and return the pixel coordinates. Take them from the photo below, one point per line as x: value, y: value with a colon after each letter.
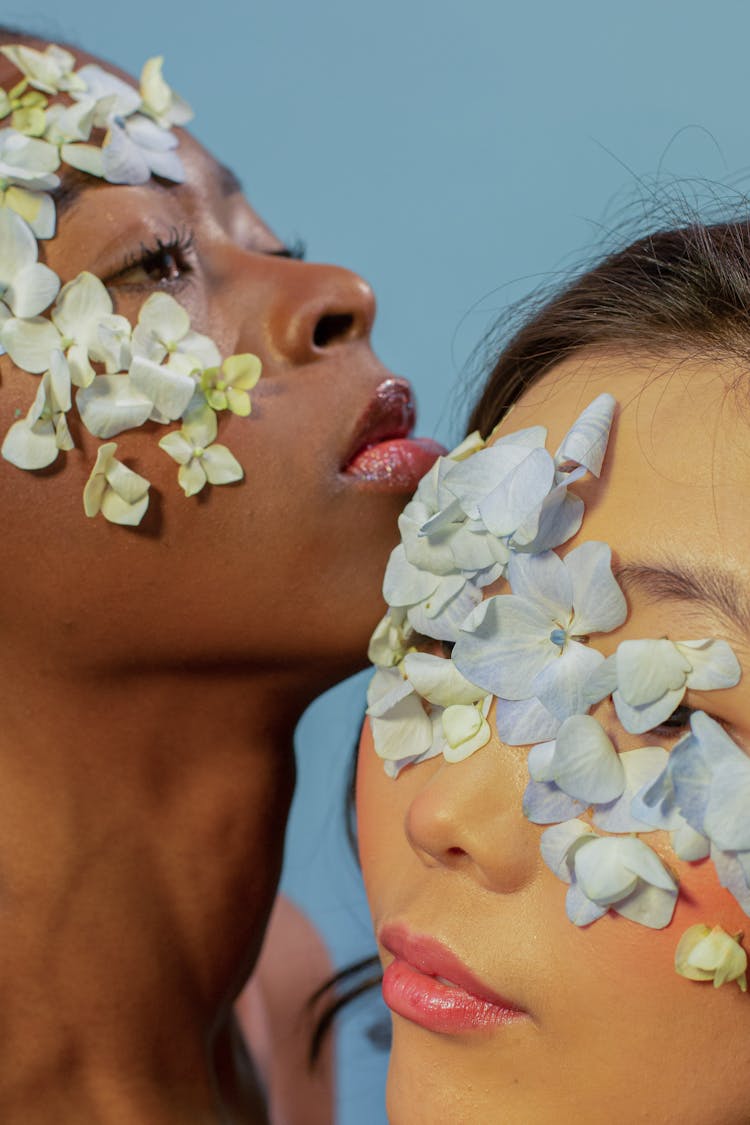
x: 398, y: 458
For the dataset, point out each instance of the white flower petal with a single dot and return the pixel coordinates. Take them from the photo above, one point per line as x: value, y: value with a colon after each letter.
x: 117, y: 510
x: 221, y: 466
x: 110, y: 405
x: 586, y: 441
x: 561, y: 685
x: 585, y: 764
x: 648, y: 669
x: 30, y: 445
x: 507, y: 647
x: 191, y: 477
x: 30, y: 343
x: 169, y: 391
x: 32, y: 289
x: 123, y: 160
x: 713, y: 664
x: 86, y: 158
x: 438, y: 680
x: 559, y: 845
x: 177, y: 446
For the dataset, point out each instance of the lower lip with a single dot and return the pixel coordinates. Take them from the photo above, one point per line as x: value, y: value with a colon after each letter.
x: 397, y: 464
x: 443, y: 1008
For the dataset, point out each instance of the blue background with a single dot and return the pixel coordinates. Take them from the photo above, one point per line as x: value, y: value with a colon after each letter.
x: 457, y: 155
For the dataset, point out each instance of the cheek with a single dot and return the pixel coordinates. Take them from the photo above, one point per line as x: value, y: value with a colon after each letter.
x: 380, y: 834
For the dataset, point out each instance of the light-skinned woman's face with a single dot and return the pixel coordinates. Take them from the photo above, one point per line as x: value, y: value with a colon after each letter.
x: 289, y: 560
x: 604, y: 1029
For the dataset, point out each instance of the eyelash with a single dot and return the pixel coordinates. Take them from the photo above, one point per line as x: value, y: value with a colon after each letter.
x: 180, y: 248
x: 177, y: 249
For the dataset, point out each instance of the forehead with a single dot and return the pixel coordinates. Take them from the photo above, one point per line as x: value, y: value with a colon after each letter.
x: 677, y: 469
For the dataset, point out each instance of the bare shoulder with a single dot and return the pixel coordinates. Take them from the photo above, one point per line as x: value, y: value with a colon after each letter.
x: 278, y: 1024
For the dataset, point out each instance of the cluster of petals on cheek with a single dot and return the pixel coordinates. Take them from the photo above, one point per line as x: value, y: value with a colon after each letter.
x: 702, y: 796
x: 160, y: 369
x: 485, y: 512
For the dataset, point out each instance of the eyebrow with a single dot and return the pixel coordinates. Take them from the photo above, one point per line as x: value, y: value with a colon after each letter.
x: 71, y: 189
x: 713, y: 586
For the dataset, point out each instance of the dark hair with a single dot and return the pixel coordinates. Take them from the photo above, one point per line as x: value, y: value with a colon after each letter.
x: 672, y: 291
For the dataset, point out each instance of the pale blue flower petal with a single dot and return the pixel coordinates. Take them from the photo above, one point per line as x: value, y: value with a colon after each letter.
x: 688, y: 844
x: 641, y: 767
x: 557, y: 520
x: 732, y: 876
x: 586, y: 441
x: 603, y: 681
x: 507, y: 648
x: 561, y: 685
x: 714, y: 664
x: 523, y: 722
x: 403, y: 584
x: 545, y: 803
x: 584, y: 763
x: 727, y: 816
x: 544, y: 581
x: 649, y: 906
x: 637, y: 720
x: 598, y: 601
x: 646, y: 670
x: 581, y: 911
x: 442, y: 615
x: 560, y: 843
x: 523, y: 490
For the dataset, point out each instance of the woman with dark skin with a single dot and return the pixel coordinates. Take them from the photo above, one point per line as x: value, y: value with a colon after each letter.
x: 152, y: 680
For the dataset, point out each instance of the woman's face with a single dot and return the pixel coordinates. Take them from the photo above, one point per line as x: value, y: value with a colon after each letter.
x: 605, y: 1028
x: 286, y: 563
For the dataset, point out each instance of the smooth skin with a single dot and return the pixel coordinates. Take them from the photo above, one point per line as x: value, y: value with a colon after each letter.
x: 612, y: 1032
x: 152, y: 679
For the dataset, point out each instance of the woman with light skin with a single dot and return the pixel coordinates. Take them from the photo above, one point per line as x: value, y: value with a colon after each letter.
x: 504, y: 1008
x: 153, y: 674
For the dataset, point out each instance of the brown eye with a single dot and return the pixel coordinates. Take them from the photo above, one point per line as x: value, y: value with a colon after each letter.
x: 169, y: 262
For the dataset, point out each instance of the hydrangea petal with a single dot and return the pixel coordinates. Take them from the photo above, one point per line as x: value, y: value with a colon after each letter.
x: 221, y: 466
x: 582, y: 911
x: 558, y: 519
x: 403, y: 583
x: 169, y: 391
x: 560, y: 686
x: 647, y: 669
x: 688, y: 844
x: 545, y: 803
x: 508, y: 645
x: 30, y: 342
x: 101, y: 83
x: 640, y: 768
x: 110, y: 405
x: 466, y: 730
x: 81, y: 301
x: 525, y: 721
x: 30, y: 445
x: 637, y: 720
x: 543, y: 581
x: 523, y: 489
x: 177, y: 446
x: 599, y: 602
x: 438, y: 680
x: 123, y: 161
x: 192, y: 477
x: 584, y: 763
x: 559, y: 844
x: 586, y: 441
x: 119, y: 511
x: 713, y: 664
x: 442, y: 615
x: 704, y: 954
x: 86, y: 158
x: 32, y: 290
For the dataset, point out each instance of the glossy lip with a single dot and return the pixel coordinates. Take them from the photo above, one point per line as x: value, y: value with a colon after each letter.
x: 390, y: 413
x: 427, y: 984
x: 382, y: 453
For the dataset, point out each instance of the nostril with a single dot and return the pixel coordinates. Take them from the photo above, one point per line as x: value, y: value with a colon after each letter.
x: 333, y: 329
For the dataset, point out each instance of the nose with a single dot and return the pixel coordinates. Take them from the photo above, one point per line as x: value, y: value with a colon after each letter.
x: 467, y: 817
x: 315, y: 308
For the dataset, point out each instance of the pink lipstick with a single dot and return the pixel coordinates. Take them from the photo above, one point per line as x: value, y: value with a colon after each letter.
x: 430, y: 986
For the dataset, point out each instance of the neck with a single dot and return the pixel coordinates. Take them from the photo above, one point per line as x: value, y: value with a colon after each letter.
x: 141, y: 836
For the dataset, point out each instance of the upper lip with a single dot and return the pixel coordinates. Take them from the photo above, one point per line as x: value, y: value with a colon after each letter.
x: 434, y: 959
x: 390, y: 413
